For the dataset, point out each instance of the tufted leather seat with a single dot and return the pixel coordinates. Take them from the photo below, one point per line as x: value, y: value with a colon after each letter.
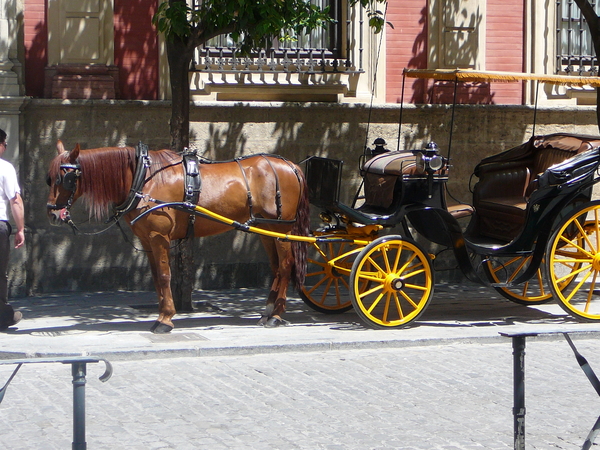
x: 507, y: 180
x: 381, y: 174
x: 381, y: 183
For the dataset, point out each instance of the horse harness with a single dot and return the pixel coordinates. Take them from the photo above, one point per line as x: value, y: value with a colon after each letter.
x: 192, y: 187
x: 253, y: 219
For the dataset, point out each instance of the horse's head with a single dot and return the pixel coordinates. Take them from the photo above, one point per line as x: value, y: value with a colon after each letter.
x: 62, y: 178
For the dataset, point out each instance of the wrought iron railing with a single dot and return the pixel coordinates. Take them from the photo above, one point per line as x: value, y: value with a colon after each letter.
x: 574, y: 48
x: 338, y: 49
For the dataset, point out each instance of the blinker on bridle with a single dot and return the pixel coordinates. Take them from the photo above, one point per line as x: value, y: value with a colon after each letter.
x: 72, y: 172
x: 69, y: 179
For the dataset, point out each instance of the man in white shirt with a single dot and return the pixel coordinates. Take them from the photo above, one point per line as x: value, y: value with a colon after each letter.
x: 10, y: 195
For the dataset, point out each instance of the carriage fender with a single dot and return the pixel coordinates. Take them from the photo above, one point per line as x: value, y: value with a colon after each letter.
x: 439, y: 226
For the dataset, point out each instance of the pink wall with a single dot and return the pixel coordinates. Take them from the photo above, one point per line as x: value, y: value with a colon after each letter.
x: 407, y: 46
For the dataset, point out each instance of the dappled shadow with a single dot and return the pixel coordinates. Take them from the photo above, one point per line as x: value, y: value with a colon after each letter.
x: 456, y: 46
x: 36, y: 59
x: 136, y: 49
x: 472, y: 305
x: 452, y: 306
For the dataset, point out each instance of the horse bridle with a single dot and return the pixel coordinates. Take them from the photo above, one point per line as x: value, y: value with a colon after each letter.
x: 72, y: 173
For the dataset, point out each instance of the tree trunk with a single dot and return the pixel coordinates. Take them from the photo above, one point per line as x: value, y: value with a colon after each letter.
x: 182, y: 256
x: 589, y: 13
x: 180, y: 58
x: 182, y: 275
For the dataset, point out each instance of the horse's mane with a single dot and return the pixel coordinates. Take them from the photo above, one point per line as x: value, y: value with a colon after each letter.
x: 103, y: 177
x: 105, y: 173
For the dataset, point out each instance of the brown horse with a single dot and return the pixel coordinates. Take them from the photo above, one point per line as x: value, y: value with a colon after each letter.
x: 264, y: 190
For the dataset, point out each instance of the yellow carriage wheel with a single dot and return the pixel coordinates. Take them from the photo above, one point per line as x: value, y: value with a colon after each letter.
x: 506, y: 269
x: 392, y: 282
x: 326, y: 287
x: 574, y: 251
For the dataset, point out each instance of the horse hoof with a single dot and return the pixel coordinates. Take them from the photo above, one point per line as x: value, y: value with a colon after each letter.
x: 160, y: 328
x: 274, y: 322
x: 263, y: 321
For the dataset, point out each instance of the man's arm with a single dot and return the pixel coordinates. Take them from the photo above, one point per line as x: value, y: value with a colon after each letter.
x: 18, y: 213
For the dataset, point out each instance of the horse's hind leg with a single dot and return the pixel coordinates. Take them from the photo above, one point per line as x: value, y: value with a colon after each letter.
x: 281, y: 260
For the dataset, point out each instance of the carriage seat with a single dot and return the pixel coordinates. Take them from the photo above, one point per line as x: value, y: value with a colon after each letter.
x: 506, y: 181
x: 381, y: 174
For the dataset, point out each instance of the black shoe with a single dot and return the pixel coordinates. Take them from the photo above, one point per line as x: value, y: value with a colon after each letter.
x: 17, y: 316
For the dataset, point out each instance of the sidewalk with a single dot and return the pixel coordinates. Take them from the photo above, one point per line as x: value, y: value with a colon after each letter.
x: 115, y: 325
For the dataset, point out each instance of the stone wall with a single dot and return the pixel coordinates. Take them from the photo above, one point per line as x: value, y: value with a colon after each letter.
x: 56, y: 260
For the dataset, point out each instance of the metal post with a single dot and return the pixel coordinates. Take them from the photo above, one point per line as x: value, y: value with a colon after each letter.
x: 78, y: 369
x: 518, y: 343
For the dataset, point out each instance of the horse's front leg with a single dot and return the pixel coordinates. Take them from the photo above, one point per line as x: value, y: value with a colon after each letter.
x: 281, y: 259
x: 161, y: 274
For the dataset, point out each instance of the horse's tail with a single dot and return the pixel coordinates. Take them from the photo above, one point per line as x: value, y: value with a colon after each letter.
x: 301, y: 228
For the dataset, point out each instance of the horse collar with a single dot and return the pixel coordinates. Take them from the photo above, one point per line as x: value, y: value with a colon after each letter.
x: 139, y: 179
x: 193, y: 180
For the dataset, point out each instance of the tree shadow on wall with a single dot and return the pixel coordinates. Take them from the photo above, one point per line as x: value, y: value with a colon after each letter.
x: 57, y: 260
x: 138, y: 54
x: 456, y: 46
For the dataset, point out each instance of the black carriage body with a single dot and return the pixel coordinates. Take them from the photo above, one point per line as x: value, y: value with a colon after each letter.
x: 556, y: 192
x: 391, y: 188
x: 396, y: 189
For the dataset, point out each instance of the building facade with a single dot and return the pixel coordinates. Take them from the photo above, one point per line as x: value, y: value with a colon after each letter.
x: 109, y: 49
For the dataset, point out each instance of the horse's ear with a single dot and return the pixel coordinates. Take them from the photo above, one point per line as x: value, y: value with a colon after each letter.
x: 73, y: 154
x: 60, y: 148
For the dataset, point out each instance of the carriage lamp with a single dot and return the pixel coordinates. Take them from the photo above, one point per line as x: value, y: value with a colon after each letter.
x: 429, y: 159
x: 379, y: 148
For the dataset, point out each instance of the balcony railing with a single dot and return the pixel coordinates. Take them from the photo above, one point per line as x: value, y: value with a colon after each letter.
x: 574, y: 48
x: 336, y: 50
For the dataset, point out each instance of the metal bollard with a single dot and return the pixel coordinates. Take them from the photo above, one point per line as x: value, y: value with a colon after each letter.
x: 79, y: 371
x: 518, y: 344
x: 519, y: 391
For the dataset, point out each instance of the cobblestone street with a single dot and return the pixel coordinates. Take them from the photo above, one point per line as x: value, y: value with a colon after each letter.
x: 455, y: 396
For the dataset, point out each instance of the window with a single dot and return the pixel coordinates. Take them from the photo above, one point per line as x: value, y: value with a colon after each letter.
x: 457, y: 34
x: 322, y: 50
x: 574, y: 49
x: 80, y: 32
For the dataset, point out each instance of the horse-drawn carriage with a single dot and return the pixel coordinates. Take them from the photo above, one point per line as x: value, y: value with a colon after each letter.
x: 533, y: 222
x: 520, y: 225
x: 532, y: 234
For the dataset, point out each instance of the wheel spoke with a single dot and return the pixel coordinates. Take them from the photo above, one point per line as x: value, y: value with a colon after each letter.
x: 376, y: 302
x: 577, y: 287
x: 590, y: 293
x: 386, y: 307
x: 398, y: 306
x: 326, y: 291
x: 371, y: 291
x: 326, y: 288
x: 519, y: 268
x: 408, y: 299
x: 372, y: 261
x: 574, y: 273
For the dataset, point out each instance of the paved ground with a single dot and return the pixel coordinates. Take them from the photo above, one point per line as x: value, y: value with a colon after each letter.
x: 325, y: 382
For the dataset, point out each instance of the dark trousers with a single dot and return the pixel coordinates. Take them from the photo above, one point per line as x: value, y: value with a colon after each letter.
x: 6, y: 311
